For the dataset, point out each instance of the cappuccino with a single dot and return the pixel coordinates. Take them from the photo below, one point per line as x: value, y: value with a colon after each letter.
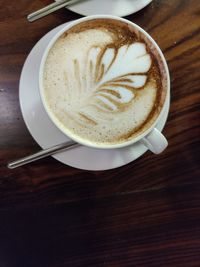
x: 104, y: 82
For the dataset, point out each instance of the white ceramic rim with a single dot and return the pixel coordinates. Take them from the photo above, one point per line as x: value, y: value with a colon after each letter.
x: 53, y: 117
x: 120, y: 12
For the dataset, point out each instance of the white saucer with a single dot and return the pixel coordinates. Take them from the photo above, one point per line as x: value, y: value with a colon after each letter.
x: 119, y: 8
x: 46, y: 134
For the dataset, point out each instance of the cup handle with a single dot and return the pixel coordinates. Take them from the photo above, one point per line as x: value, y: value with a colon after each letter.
x: 155, y: 141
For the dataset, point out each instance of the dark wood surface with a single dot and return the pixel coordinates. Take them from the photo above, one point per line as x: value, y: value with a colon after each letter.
x: 146, y: 213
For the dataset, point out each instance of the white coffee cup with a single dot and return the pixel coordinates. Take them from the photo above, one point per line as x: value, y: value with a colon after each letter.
x: 152, y: 138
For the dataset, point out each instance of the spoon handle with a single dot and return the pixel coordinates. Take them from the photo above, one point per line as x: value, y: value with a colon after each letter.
x: 48, y: 9
x: 42, y: 154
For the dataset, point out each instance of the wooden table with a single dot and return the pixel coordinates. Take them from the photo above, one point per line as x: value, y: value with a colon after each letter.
x: 146, y: 213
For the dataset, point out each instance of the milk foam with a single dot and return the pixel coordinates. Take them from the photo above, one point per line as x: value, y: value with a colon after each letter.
x: 99, y: 91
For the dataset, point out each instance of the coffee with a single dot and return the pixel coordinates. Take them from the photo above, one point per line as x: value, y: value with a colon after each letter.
x: 104, y: 82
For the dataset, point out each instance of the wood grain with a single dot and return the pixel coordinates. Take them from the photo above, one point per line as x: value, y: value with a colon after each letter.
x: 143, y: 214
x: 155, y: 228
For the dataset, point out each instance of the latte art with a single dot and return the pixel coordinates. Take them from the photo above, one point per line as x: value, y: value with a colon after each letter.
x: 102, y: 84
x: 107, y: 81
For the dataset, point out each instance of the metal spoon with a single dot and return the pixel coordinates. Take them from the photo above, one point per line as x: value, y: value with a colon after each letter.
x: 42, y: 154
x: 49, y: 9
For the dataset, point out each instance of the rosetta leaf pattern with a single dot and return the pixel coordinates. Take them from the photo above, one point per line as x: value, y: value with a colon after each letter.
x: 114, y: 75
